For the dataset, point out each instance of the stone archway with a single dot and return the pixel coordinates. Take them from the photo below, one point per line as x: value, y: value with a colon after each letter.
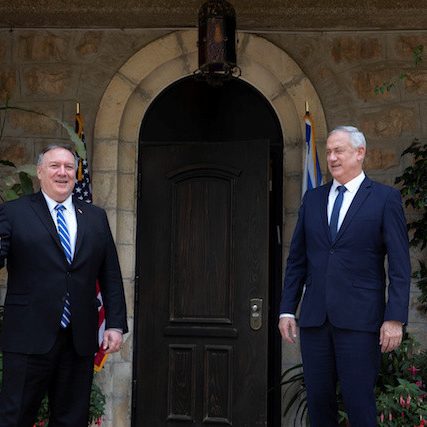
x: 122, y: 108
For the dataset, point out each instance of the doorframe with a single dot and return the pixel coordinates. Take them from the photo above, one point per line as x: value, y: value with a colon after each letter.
x: 122, y: 108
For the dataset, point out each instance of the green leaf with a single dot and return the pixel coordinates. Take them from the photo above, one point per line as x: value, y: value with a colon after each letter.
x: 26, y: 183
x: 30, y: 170
x: 78, y: 143
x: 10, y: 194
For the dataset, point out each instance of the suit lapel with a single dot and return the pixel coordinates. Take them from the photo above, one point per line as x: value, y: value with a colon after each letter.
x: 324, y: 211
x: 360, y: 197
x: 81, y: 223
x: 39, y: 205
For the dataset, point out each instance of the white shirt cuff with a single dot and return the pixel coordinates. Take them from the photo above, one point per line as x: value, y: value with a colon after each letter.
x: 292, y: 316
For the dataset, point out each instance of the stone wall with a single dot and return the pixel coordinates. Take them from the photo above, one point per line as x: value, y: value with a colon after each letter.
x: 51, y: 70
x: 345, y: 68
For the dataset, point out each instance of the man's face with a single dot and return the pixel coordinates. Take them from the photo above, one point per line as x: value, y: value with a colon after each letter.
x: 344, y: 161
x: 56, y: 174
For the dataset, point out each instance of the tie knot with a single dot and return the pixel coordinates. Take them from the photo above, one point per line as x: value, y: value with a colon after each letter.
x: 341, y: 189
x: 59, y: 207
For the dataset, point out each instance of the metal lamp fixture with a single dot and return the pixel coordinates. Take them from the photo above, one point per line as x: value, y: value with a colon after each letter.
x: 217, y: 42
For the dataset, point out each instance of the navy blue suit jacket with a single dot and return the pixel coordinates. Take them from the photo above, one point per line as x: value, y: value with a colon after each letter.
x: 345, y: 280
x: 39, y: 277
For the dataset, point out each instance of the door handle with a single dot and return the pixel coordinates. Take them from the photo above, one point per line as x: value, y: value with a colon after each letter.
x: 255, y: 316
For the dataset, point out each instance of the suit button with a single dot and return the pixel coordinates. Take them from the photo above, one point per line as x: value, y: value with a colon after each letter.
x: 68, y: 274
x: 331, y: 251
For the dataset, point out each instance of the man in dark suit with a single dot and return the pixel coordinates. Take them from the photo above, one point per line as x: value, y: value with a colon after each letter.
x: 56, y: 248
x: 345, y: 231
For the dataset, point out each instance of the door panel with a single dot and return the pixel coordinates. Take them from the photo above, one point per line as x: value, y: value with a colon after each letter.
x: 202, y: 255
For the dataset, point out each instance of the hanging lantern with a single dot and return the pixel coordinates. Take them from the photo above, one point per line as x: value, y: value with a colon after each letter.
x: 217, y: 42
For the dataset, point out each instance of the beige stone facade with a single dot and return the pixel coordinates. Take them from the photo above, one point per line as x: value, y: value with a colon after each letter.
x: 116, y: 74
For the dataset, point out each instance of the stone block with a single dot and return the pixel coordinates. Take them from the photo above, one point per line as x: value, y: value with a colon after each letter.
x: 122, y: 377
x: 419, y: 331
x: 41, y: 46
x: 121, y: 413
x: 365, y: 81
x: 53, y: 81
x: 380, y: 159
x: 104, y: 186
x: 127, y: 196
x: 155, y: 55
x: 292, y: 194
x: 126, y: 222
x: 34, y: 124
x: 293, y: 160
x: 108, y: 160
x: 112, y: 219
x: 288, y: 228
x: 127, y: 157
x: 112, y: 106
x: 334, y: 98
x: 283, y: 66
x: 8, y: 84
x: 292, y: 131
x: 389, y: 122
x: 127, y: 260
x: 89, y: 43
x: 416, y: 82
x: 3, y: 50
x: 18, y: 152
x: 136, y: 107
x: 92, y: 82
x: 352, y: 49
x: 404, y: 44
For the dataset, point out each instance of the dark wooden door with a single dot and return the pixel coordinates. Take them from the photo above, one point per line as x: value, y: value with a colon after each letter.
x: 202, y: 262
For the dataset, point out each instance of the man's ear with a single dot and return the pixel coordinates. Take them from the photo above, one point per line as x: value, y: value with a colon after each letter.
x: 361, y: 153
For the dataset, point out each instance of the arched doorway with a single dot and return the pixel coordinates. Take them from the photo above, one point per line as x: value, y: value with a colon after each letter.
x: 115, y: 176
x: 208, y: 258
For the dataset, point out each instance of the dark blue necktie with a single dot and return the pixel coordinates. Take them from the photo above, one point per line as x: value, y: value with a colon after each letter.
x: 64, y: 237
x: 333, y: 224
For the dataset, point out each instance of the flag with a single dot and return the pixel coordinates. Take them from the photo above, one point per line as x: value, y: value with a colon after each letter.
x: 83, y: 191
x: 312, y: 173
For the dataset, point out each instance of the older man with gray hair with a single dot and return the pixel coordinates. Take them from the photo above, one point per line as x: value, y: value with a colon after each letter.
x: 345, y: 231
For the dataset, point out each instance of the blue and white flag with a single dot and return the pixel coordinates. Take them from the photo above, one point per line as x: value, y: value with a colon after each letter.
x: 312, y: 177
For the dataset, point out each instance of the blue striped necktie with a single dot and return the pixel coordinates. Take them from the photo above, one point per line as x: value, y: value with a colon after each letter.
x: 64, y: 237
x: 333, y: 224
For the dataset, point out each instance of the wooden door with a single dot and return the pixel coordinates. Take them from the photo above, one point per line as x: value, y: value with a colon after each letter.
x: 202, y: 262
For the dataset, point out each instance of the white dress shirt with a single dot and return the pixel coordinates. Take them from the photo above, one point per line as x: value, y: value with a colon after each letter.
x: 69, y: 215
x: 352, y: 187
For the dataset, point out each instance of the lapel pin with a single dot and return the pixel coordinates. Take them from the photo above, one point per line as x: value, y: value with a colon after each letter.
x: 79, y: 211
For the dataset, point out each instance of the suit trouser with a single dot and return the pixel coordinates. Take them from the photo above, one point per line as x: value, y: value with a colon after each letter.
x: 352, y: 358
x: 62, y: 373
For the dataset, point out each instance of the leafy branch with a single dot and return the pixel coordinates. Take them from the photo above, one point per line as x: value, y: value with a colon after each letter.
x: 417, y: 56
x: 79, y: 146
x: 414, y: 190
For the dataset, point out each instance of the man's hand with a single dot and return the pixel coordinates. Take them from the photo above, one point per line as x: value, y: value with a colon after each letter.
x: 112, y: 341
x: 391, y: 333
x: 288, y: 329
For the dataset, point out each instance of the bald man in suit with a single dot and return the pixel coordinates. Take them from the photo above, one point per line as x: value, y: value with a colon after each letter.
x: 49, y: 334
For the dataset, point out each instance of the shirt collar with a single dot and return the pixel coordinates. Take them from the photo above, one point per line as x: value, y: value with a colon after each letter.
x: 351, y: 186
x: 67, y: 203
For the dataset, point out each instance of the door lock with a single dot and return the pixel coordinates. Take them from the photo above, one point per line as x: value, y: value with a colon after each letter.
x: 255, y: 316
